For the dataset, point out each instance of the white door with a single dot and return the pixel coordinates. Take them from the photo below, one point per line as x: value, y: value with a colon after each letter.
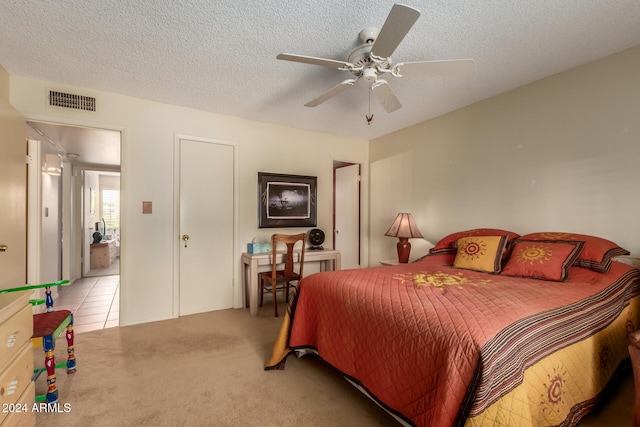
x: 206, y: 226
x: 13, y: 197
x: 347, y: 215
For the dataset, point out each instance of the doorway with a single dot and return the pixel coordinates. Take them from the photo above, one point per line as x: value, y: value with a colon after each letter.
x: 102, y: 223
x: 79, y: 149
x: 93, y: 297
x: 346, y: 212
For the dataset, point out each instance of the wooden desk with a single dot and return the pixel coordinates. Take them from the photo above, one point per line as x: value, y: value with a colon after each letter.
x: 251, y: 262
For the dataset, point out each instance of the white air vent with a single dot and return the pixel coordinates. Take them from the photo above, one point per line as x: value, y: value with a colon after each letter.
x: 69, y: 100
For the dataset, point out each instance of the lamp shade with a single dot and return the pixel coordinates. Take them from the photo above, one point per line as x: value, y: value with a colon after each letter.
x: 404, y: 226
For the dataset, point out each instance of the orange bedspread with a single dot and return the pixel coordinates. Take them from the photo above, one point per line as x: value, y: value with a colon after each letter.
x: 435, y: 344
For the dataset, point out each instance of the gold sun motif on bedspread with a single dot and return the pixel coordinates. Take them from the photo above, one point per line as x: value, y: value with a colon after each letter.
x: 605, y: 356
x: 438, y: 279
x: 552, y: 400
x: 630, y: 324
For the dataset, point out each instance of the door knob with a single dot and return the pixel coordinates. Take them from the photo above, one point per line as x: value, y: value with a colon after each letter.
x: 185, y: 237
x: 3, y: 248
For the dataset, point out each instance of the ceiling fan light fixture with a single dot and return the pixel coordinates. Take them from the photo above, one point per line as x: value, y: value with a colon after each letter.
x: 369, y: 74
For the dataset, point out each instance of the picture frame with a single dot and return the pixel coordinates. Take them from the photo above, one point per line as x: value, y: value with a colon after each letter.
x: 286, y: 200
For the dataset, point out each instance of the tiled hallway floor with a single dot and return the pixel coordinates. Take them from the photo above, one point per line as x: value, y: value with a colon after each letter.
x: 94, y: 302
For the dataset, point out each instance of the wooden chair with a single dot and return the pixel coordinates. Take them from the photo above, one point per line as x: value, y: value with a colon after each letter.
x: 48, y: 326
x: 281, y: 279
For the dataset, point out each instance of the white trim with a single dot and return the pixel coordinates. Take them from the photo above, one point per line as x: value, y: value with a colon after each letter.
x: 175, y: 311
x: 34, y: 207
x: 67, y: 230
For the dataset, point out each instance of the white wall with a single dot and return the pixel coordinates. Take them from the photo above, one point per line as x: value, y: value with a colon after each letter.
x: 561, y: 154
x: 148, y: 131
x: 50, y: 243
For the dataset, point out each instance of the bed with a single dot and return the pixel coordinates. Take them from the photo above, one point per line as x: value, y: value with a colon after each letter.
x: 491, y: 328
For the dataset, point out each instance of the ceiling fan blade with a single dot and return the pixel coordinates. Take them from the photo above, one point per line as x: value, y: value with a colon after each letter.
x: 395, y: 28
x: 455, y: 67
x: 385, y: 95
x: 331, y: 93
x: 315, y: 61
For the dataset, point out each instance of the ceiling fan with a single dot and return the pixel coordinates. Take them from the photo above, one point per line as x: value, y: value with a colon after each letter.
x: 372, y: 59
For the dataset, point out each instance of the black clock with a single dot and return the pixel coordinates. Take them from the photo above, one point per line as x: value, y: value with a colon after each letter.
x: 316, y: 239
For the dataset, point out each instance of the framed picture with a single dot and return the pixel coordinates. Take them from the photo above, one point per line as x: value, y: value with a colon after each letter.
x: 286, y: 200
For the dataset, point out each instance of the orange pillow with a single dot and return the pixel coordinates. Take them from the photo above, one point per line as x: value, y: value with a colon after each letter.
x: 597, y: 254
x: 447, y: 243
x: 542, y: 259
x: 480, y: 253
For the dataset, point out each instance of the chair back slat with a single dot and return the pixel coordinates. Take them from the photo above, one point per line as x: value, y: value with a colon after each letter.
x: 290, y: 240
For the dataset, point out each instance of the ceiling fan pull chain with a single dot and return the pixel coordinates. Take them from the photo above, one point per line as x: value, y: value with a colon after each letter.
x: 370, y: 116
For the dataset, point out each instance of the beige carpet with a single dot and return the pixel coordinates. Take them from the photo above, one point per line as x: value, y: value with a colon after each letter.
x: 207, y: 370
x: 201, y: 370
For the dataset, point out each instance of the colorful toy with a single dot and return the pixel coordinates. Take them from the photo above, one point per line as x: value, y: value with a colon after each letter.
x: 48, y: 326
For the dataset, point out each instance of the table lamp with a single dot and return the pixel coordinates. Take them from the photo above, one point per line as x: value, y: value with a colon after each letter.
x: 404, y: 228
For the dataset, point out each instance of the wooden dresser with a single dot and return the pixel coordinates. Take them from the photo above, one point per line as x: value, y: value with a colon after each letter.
x: 102, y: 254
x: 17, y: 391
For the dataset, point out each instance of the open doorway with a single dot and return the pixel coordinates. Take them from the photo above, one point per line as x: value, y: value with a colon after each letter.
x: 346, y: 212
x: 81, y: 152
x: 102, y: 223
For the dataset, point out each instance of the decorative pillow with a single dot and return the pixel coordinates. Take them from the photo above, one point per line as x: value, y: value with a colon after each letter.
x: 597, y: 253
x: 480, y: 253
x: 542, y: 259
x: 447, y: 243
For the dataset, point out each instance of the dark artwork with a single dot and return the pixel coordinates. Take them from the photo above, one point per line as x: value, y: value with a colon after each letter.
x: 286, y: 200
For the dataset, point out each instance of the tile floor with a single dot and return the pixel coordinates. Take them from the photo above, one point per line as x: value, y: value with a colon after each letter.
x: 94, y: 302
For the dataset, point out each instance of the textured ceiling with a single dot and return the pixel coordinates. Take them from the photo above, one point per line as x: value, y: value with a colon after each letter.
x: 220, y: 56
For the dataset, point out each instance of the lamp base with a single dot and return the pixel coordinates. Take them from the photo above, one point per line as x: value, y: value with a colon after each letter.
x: 404, y: 249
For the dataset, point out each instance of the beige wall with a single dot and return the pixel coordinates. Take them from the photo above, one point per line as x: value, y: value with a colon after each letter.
x: 561, y: 154
x: 148, y: 132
